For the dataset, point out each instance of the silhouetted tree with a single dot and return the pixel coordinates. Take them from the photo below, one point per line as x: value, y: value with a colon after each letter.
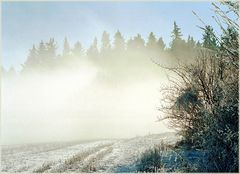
x: 51, y: 48
x: 178, y: 46
x: 42, y: 51
x: 160, y: 44
x: 105, y: 43
x: 190, y: 43
x: 139, y: 42
x: 198, y: 44
x: 32, y: 59
x: 130, y: 45
x: 78, y: 50
x: 92, y: 52
x: 119, y: 43
x: 177, y: 41
x: 66, y: 47
x: 209, y: 38
x: 230, y: 40
x: 152, y: 42
x: 48, y: 58
x: 176, y: 33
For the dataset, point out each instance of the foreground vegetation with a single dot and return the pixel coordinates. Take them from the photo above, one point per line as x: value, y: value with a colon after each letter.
x: 164, y: 158
x: 203, y: 104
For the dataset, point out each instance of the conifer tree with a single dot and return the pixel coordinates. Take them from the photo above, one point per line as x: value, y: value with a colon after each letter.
x: 51, y: 48
x: 160, y: 43
x: 178, y: 45
x: 66, y: 47
x: 198, y: 44
x: 93, y: 50
x: 32, y: 59
x: 105, y: 42
x: 41, y: 50
x: 139, y: 42
x: 209, y: 38
x: 229, y: 40
x: 176, y: 37
x: 176, y: 33
x: 119, y: 43
x: 152, y: 42
x: 78, y: 50
x: 130, y: 44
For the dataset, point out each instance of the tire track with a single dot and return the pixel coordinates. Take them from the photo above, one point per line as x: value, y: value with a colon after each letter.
x: 74, y: 163
x: 92, y: 162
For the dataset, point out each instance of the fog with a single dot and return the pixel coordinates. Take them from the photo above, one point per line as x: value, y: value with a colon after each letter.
x: 78, y: 104
x: 109, y: 88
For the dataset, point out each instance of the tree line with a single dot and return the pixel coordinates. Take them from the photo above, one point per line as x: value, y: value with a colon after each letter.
x: 44, y: 56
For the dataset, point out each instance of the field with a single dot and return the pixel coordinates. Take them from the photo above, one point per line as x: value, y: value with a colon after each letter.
x: 85, y: 156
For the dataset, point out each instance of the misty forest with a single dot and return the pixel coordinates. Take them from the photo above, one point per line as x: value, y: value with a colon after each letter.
x: 126, y: 104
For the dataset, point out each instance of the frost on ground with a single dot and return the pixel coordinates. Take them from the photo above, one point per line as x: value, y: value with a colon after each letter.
x: 91, y: 156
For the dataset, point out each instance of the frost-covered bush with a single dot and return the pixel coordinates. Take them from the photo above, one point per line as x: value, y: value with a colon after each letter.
x: 151, y: 160
x: 203, y: 101
x: 163, y: 158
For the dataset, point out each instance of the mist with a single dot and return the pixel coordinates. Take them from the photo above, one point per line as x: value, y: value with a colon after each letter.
x: 80, y: 104
x: 110, y: 90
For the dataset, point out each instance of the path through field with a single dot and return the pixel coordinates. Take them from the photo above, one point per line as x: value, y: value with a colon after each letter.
x: 91, y: 156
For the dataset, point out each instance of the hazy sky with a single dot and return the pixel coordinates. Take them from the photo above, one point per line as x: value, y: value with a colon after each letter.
x: 27, y: 23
